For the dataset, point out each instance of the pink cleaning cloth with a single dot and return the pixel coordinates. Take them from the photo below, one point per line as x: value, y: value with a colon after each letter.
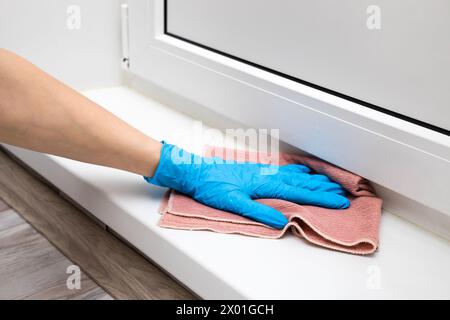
x: 353, y: 230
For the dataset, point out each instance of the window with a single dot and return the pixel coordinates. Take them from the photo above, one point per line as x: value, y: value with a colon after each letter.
x: 383, y: 116
x: 401, y: 66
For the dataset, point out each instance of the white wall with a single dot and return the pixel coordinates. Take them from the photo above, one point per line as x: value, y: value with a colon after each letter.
x: 84, y: 58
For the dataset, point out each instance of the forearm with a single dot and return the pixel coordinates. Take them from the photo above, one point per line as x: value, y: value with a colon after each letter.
x: 40, y: 113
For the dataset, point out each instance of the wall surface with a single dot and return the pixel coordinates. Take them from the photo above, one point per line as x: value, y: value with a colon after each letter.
x: 77, y: 41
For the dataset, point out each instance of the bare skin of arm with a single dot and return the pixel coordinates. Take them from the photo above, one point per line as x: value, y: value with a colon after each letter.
x: 40, y: 113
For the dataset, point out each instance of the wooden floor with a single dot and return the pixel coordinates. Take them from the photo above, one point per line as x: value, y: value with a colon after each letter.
x: 32, y: 268
x: 41, y: 234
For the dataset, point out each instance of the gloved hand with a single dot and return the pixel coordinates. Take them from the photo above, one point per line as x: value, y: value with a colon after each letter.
x: 231, y: 185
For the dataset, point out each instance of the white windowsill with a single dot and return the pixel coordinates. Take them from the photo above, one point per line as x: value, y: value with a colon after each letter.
x: 411, y: 262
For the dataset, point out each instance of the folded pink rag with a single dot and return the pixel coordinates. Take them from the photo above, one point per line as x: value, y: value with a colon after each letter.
x: 354, y: 230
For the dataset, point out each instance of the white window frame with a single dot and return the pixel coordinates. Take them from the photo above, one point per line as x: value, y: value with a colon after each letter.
x: 409, y: 159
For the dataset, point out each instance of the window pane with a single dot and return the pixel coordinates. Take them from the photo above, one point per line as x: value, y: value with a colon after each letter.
x: 395, y: 56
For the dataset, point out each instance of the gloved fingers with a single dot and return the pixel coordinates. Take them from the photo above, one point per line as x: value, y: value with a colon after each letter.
x: 242, y: 204
x: 333, y: 187
x: 264, y: 214
x: 317, y: 198
x: 314, y: 184
x: 306, y: 176
x: 294, y: 168
x: 320, y: 177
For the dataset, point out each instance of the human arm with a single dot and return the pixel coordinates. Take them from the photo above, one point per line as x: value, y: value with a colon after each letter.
x: 40, y: 113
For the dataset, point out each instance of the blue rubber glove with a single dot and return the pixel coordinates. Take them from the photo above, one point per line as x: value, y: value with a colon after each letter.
x: 232, y: 185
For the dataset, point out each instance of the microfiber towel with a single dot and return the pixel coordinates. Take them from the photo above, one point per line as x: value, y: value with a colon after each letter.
x: 353, y: 230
